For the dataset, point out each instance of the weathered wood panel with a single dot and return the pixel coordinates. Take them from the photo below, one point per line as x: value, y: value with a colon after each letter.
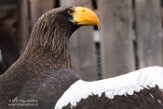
x: 149, y: 40
x: 9, y: 38
x: 7, y: 2
x: 116, y: 38
x: 82, y: 46
x: 38, y: 7
x: 23, y: 24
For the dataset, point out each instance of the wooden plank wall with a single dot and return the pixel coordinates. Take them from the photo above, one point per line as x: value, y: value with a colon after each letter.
x: 116, y: 37
x: 23, y: 25
x: 38, y: 7
x: 9, y: 39
x: 148, y: 32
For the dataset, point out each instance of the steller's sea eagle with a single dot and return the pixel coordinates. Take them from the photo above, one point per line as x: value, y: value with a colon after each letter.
x: 43, y: 77
x: 44, y: 71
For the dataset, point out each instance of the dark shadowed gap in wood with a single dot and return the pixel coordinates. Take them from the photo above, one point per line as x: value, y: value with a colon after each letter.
x: 133, y: 4
x: 95, y: 28
x: 135, y: 45
x: 134, y: 34
x: 18, y: 24
x: 94, y: 4
x: 7, y: 2
x: 161, y: 4
x: 161, y: 1
x: 162, y: 22
x: 29, y: 11
x: 29, y: 16
x: 98, y: 60
x: 23, y: 26
x: 9, y: 38
x: 57, y: 3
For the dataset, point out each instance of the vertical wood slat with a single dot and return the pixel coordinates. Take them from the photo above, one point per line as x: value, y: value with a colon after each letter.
x: 82, y: 46
x: 23, y: 26
x: 116, y: 37
x: 38, y: 7
x: 149, y: 40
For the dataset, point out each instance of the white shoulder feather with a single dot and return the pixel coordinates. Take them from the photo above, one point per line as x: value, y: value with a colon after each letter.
x: 121, y: 85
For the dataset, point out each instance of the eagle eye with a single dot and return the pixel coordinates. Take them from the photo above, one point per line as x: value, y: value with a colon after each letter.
x: 70, y: 11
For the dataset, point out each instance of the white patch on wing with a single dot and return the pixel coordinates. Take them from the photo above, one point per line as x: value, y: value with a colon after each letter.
x: 1, y: 58
x: 121, y: 85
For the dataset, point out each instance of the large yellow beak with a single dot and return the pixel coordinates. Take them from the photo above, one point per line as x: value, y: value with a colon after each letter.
x: 85, y: 16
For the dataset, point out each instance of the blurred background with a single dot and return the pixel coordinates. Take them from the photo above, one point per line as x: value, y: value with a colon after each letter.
x: 130, y: 36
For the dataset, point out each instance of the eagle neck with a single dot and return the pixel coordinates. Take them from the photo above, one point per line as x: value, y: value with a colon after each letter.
x: 54, y: 46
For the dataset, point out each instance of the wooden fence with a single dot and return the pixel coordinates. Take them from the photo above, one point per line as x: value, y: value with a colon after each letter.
x: 130, y: 35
